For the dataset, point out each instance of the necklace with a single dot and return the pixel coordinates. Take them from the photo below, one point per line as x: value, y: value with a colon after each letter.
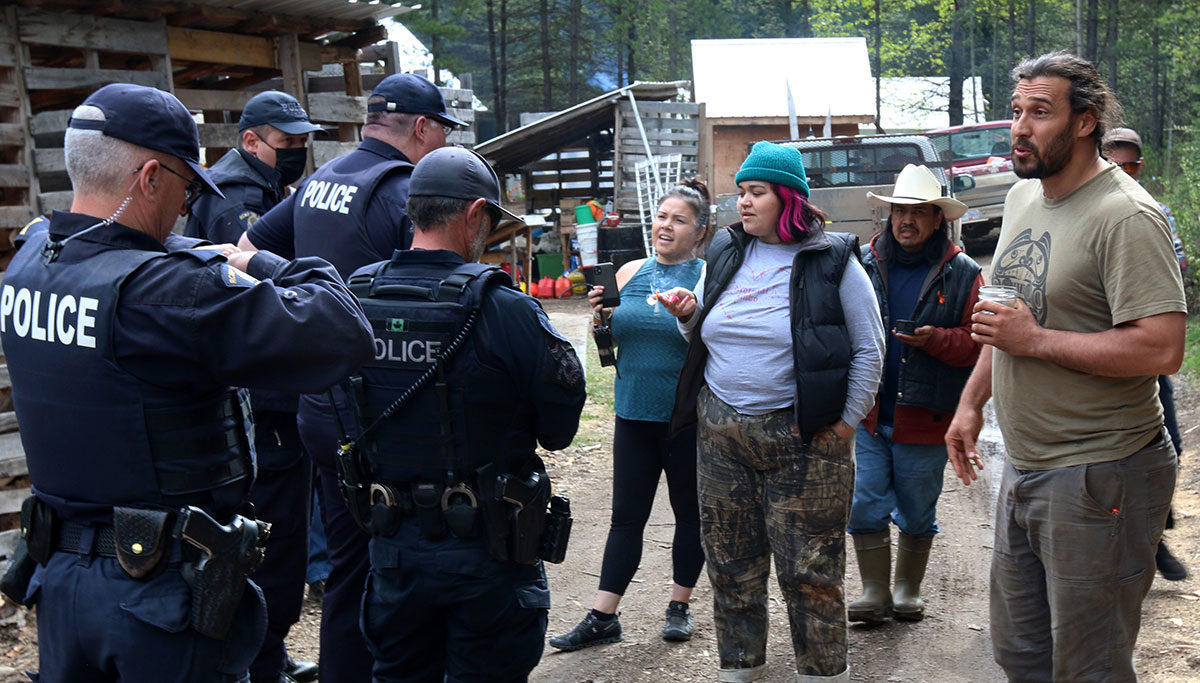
x: 652, y: 299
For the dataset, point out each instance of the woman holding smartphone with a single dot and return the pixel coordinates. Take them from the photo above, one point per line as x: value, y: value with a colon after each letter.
x: 650, y: 355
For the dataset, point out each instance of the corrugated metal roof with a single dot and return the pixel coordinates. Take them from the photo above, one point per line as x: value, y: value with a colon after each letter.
x: 745, y: 78
x: 520, y: 146
x: 313, y: 9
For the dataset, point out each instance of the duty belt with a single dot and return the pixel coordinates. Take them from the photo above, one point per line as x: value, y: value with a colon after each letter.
x: 439, y: 508
x: 104, y: 543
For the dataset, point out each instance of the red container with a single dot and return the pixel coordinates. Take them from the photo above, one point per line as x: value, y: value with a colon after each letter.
x: 562, y: 288
x: 545, y: 288
x: 533, y: 289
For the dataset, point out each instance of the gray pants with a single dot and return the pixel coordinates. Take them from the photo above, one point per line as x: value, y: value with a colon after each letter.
x: 763, y: 493
x: 1074, y: 558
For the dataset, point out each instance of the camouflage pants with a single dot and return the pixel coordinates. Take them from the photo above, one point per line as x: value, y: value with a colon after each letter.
x: 763, y: 494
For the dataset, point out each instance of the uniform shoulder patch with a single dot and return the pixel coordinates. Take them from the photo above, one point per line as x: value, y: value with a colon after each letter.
x: 248, y: 219
x: 34, y: 224
x: 232, y: 277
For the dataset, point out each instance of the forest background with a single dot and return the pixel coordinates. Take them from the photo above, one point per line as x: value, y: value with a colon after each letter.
x: 546, y: 55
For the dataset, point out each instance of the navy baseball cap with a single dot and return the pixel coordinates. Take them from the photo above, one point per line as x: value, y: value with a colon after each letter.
x: 459, y: 173
x: 150, y: 118
x: 412, y: 94
x: 278, y: 109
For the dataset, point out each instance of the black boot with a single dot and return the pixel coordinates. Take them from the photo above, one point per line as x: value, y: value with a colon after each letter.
x: 1170, y: 568
x: 679, y: 622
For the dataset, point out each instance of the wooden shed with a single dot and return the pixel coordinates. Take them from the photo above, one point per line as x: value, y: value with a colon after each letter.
x: 214, y: 55
x: 590, y: 150
x: 746, y: 85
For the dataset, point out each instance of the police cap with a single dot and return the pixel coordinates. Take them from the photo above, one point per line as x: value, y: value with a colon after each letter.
x: 277, y: 109
x: 150, y: 118
x: 412, y: 94
x: 461, y: 174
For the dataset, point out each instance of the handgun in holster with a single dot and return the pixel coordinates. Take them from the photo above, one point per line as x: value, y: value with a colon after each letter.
x: 33, y: 548
x: 354, y: 483
x: 228, y: 554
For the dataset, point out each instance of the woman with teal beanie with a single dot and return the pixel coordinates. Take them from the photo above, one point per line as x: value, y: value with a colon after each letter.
x: 650, y: 354
x: 784, y: 358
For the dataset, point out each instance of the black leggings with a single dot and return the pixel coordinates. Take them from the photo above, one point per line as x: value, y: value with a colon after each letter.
x: 641, y: 452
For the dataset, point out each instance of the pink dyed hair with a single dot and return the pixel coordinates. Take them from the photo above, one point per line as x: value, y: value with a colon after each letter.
x: 799, y: 215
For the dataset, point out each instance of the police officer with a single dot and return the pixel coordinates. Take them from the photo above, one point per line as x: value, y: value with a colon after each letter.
x: 351, y: 213
x: 272, y: 153
x: 473, y: 376
x: 121, y: 353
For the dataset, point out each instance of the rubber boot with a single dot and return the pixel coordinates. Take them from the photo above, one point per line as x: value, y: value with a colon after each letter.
x: 874, y: 552
x: 912, y: 554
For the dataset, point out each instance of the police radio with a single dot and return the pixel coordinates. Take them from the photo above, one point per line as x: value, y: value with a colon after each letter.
x: 604, y: 275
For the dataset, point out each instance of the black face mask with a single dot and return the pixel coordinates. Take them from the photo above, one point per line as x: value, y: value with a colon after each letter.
x: 290, y: 163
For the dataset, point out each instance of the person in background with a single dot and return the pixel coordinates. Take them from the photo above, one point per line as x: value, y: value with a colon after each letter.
x: 923, y: 279
x: 1090, y: 470
x: 650, y: 355
x: 1123, y: 147
x: 784, y: 358
x: 271, y: 154
x: 351, y: 212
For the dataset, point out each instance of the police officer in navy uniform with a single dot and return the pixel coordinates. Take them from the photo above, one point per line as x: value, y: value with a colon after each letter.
x: 272, y: 153
x: 121, y: 353
x: 457, y: 492
x: 351, y: 213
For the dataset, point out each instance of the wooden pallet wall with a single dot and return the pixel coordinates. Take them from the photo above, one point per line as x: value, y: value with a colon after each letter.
x: 671, y: 128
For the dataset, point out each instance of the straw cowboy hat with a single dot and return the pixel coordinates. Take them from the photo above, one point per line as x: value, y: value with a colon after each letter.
x: 918, y: 185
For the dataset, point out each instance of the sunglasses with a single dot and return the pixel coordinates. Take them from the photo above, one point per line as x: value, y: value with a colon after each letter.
x: 194, y: 186
x: 1131, y: 167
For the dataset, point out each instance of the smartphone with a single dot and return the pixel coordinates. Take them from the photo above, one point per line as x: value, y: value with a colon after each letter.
x: 905, y: 326
x: 605, y: 275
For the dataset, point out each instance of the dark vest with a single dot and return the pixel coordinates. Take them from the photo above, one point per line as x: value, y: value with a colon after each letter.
x: 821, y: 348
x: 245, y: 189
x: 926, y: 382
x: 94, y: 435
x: 443, y: 431
x: 335, y: 202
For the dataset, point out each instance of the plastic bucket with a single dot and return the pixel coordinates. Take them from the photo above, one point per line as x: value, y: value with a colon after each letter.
x: 588, y: 235
x: 583, y: 215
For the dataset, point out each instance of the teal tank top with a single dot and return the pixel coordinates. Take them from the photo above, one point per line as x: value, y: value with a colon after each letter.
x: 650, y: 349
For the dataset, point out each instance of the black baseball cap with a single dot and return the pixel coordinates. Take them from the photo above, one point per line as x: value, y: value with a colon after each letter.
x: 412, y: 94
x: 150, y: 118
x: 278, y: 109
x: 459, y: 173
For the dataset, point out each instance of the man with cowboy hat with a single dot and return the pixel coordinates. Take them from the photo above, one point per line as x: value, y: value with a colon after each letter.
x: 927, y: 288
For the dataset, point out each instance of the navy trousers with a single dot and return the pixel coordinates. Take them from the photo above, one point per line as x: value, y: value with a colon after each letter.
x: 282, y: 495
x: 344, y: 654
x: 442, y: 610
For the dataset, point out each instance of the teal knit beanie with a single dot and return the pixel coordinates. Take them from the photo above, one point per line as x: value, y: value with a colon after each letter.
x: 774, y: 163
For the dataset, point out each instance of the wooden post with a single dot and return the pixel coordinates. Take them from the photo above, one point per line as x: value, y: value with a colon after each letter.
x: 616, y: 198
x: 352, y: 75
x: 293, y: 79
x: 392, y: 58
x: 162, y: 63
x: 21, y: 52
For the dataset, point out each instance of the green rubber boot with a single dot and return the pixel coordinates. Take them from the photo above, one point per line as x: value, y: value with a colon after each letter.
x: 874, y: 552
x: 912, y: 554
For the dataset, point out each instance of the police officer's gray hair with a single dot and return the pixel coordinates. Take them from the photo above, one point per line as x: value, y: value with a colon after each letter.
x: 433, y: 213
x: 397, y: 123
x: 261, y: 130
x: 96, y: 163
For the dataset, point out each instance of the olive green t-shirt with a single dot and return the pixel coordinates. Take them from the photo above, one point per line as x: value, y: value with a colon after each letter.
x: 1086, y: 262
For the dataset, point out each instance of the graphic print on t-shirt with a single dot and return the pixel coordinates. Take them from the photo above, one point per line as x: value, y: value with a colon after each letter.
x: 1023, y: 265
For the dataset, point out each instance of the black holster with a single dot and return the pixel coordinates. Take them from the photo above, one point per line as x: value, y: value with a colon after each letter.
x: 228, y: 554
x: 354, y: 483
x: 15, y: 582
x: 514, y: 513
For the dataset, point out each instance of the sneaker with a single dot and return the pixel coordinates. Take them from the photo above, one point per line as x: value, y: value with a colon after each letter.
x: 591, y: 631
x: 1170, y: 568
x: 679, y: 623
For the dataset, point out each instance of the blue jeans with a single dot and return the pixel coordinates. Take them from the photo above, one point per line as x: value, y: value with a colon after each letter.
x: 899, y: 482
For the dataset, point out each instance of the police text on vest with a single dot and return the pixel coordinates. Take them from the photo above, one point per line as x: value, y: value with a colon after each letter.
x: 407, y: 351
x: 49, y: 318
x: 327, y: 196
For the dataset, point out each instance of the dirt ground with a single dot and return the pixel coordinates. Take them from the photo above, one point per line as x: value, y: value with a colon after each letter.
x: 952, y: 644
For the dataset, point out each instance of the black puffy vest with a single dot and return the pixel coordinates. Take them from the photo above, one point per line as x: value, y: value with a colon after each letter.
x: 95, y: 436
x: 926, y: 382
x: 443, y: 432
x: 821, y: 348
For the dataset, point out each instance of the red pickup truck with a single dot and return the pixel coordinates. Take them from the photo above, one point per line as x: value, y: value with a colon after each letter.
x: 984, y: 152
